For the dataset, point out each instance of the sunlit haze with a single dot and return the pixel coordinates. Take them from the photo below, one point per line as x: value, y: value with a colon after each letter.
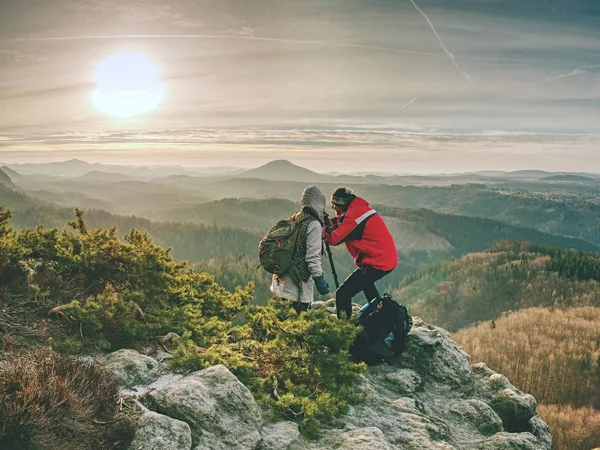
x: 333, y: 85
x: 127, y: 85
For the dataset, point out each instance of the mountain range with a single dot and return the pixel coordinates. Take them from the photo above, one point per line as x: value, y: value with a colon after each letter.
x: 274, y: 170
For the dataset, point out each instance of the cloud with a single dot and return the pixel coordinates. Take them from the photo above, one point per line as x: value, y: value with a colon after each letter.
x: 345, y: 137
x: 283, y: 63
x: 8, y: 56
x: 352, y: 149
x: 244, y: 34
x: 17, y: 56
x: 136, y: 11
x: 44, y: 92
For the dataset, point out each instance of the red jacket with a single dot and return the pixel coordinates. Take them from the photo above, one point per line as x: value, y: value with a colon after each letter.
x: 366, y: 236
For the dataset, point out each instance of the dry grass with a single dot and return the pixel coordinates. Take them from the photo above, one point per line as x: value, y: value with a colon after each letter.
x: 572, y: 428
x: 50, y: 401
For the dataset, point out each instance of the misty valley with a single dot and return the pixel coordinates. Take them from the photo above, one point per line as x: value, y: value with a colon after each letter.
x: 508, y: 262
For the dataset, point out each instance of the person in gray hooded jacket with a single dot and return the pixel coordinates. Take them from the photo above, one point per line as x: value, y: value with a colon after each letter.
x: 309, y: 246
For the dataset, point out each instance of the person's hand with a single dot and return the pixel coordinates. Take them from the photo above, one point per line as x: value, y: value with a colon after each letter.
x: 322, y: 285
x: 326, y: 220
x: 331, y: 221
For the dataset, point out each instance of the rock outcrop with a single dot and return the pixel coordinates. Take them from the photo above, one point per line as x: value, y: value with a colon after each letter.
x: 219, y: 409
x: 130, y: 368
x: 155, y: 431
x: 429, y: 398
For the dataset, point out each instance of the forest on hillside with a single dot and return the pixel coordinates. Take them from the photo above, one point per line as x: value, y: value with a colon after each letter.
x: 553, y: 354
x: 530, y: 312
x: 510, y: 276
x: 566, y: 209
x: 222, y: 236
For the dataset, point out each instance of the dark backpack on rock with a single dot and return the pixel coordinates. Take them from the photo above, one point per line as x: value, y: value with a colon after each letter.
x: 385, y: 324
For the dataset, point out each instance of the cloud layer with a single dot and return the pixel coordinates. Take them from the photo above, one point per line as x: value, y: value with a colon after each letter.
x: 317, y: 74
x: 350, y: 149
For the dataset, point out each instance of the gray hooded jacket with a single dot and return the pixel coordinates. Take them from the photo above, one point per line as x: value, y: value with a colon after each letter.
x: 285, y: 286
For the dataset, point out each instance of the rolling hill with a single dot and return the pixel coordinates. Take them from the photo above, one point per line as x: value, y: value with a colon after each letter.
x: 5, y: 180
x: 567, y: 215
x: 103, y: 177
x: 13, y: 174
x: 229, y: 230
x: 413, y: 230
x: 77, y: 168
x: 512, y: 275
x: 572, y: 178
x: 251, y: 214
x: 189, y: 241
x: 560, y: 208
x: 114, y: 193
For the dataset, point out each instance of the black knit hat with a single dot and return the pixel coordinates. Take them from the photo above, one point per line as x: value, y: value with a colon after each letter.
x: 342, y: 197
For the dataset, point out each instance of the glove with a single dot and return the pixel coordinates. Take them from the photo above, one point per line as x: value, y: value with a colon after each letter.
x: 328, y: 222
x: 322, y: 285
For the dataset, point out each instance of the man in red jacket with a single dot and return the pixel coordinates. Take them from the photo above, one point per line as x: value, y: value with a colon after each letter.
x: 368, y: 240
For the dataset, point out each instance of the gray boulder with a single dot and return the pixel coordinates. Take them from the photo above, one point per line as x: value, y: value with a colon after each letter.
x: 433, y: 354
x: 157, y: 432
x: 318, y: 305
x: 488, y: 383
x: 430, y: 398
x: 361, y: 439
x: 514, y: 407
x: 219, y: 409
x: 279, y: 435
x: 403, y: 381
x: 540, y: 430
x: 130, y: 368
x: 474, y: 412
x: 510, y: 441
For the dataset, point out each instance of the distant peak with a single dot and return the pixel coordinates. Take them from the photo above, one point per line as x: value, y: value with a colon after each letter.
x: 281, y: 169
x: 280, y: 162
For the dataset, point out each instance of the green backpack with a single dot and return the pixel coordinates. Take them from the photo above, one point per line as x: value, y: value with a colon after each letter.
x: 276, y: 250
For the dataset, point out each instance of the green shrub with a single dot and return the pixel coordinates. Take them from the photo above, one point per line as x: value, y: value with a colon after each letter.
x: 295, y: 364
x: 110, y: 294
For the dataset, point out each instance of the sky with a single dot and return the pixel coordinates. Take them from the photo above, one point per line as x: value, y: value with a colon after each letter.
x: 410, y: 86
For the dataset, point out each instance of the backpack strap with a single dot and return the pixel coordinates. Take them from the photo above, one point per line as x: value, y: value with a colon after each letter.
x: 296, y: 272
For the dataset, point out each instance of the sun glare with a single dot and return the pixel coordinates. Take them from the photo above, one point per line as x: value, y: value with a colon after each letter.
x: 127, y: 85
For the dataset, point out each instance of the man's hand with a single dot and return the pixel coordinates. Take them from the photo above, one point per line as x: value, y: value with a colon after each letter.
x: 322, y: 285
x: 326, y: 220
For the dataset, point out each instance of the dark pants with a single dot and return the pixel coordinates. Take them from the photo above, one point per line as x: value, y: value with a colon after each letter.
x: 359, y: 280
x: 300, y: 307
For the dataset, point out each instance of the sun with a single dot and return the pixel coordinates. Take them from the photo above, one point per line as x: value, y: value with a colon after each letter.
x: 127, y: 85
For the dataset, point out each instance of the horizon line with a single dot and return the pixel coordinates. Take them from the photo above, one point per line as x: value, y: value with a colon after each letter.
x: 148, y: 165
